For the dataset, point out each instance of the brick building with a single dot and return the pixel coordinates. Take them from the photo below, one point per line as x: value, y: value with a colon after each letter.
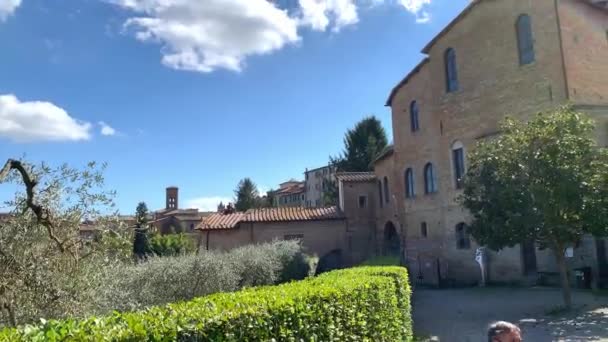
x: 325, y: 232
x: 496, y: 58
x: 172, y: 219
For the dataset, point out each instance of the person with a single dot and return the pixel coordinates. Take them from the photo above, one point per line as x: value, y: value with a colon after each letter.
x: 504, y: 332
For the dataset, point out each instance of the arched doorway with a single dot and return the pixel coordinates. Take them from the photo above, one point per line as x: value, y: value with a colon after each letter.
x: 391, y: 245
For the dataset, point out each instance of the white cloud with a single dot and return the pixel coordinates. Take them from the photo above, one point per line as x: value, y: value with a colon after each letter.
x: 318, y: 14
x: 38, y: 121
x: 205, y: 35
x: 8, y: 7
x: 207, y: 203
x: 106, y: 129
x: 416, y: 7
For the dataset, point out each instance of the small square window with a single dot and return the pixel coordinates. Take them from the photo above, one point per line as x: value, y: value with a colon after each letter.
x: 362, y: 202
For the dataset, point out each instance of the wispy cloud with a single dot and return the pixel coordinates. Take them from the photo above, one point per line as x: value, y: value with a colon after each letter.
x: 33, y: 121
x: 416, y: 7
x: 7, y: 8
x: 106, y: 129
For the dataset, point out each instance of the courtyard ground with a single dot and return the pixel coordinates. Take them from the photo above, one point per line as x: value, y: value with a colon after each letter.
x: 464, y: 314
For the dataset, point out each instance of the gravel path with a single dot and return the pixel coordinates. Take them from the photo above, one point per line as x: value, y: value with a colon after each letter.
x: 464, y: 314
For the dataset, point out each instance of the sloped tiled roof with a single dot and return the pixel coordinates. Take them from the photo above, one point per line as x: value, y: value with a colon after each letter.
x: 221, y: 221
x: 230, y: 221
x: 356, y: 176
x: 292, y: 214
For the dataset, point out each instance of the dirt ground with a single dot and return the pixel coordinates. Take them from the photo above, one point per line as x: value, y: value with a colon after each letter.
x: 464, y: 314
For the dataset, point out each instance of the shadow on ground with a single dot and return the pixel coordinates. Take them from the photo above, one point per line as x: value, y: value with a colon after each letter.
x: 464, y: 314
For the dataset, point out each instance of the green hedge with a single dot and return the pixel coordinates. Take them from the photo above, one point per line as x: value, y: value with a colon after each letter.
x: 358, y: 304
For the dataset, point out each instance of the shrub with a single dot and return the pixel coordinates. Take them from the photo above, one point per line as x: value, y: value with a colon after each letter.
x: 383, y: 261
x: 172, y: 244
x: 360, y: 304
x: 163, y: 280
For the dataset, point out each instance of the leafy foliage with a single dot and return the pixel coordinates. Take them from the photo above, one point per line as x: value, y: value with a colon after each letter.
x: 544, y: 181
x: 361, y: 304
x: 246, y: 195
x: 362, y: 145
x: 42, y: 250
x: 141, y: 215
x: 171, y: 244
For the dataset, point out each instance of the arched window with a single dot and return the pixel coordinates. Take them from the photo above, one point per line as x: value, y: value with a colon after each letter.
x: 414, y: 116
x: 387, y: 196
x: 380, y: 194
x: 423, y: 230
x: 430, y: 185
x: 451, y: 72
x: 463, y: 241
x: 525, y: 41
x: 458, y: 164
x: 409, y: 183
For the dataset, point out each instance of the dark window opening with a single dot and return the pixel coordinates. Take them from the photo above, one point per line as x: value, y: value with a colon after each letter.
x: 463, y: 240
x: 423, y: 230
x: 409, y: 183
x: 362, y: 202
x: 451, y: 72
x: 414, y: 124
x: 458, y: 160
x: 430, y: 185
x: 525, y: 41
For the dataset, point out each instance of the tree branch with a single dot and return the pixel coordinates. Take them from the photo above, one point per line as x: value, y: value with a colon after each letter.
x: 42, y: 214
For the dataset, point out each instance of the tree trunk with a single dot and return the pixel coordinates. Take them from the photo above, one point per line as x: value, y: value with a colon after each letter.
x: 563, y: 271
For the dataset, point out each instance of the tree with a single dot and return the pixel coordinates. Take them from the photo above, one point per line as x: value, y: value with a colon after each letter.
x: 141, y: 215
x: 141, y: 238
x: 221, y: 207
x: 330, y: 193
x: 246, y: 195
x: 362, y: 145
x: 545, y: 181
x: 43, y: 255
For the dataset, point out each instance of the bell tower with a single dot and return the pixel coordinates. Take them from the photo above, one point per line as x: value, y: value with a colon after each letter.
x: 172, y: 198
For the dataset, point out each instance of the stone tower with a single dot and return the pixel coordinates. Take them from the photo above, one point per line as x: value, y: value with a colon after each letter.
x: 172, y: 198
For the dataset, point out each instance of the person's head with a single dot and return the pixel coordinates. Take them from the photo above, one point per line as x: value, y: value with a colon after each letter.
x: 504, y: 332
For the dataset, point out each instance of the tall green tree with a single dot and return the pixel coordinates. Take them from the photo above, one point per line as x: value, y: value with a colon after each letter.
x: 141, y: 238
x: 141, y: 215
x: 362, y: 144
x: 544, y: 181
x: 247, y: 195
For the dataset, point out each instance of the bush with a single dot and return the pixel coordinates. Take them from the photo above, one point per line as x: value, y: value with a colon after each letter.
x: 360, y: 304
x: 179, y: 278
x: 172, y: 244
x: 383, y: 261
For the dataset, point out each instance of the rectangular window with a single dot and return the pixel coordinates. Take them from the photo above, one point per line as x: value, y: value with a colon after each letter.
x: 362, y: 202
x: 458, y: 159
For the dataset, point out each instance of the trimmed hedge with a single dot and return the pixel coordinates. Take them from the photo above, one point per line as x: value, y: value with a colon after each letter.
x: 358, y: 304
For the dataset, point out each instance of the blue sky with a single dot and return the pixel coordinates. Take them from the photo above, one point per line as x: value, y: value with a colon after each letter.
x: 200, y: 93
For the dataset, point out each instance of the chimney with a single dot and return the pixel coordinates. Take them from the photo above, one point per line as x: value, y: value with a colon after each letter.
x: 172, y: 198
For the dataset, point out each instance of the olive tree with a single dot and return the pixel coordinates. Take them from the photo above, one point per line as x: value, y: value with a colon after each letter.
x: 545, y: 180
x: 44, y: 257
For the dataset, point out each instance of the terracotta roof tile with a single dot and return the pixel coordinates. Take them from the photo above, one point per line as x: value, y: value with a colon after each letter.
x: 356, y: 176
x: 221, y: 221
x: 230, y: 221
